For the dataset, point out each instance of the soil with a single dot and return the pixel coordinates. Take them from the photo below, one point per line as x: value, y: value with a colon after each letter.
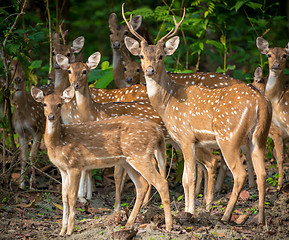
x: 37, y: 214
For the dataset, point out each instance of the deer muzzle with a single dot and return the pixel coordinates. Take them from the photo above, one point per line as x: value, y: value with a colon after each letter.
x: 116, y: 45
x: 276, y: 66
x: 51, y: 117
x: 150, y: 71
x: 129, y: 79
x: 75, y: 85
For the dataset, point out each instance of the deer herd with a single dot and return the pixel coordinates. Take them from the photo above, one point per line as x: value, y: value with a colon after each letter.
x: 87, y: 128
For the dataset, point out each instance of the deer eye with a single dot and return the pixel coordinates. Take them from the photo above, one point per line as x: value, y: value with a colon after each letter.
x: 161, y: 57
x: 126, y: 32
x: 68, y: 54
x: 53, y: 53
x: 141, y: 56
x: 44, y: 104
x: 84, y: 72
x: 59, y: 105
x: 125, y: 69
x: 269, y: 55
x: 137, y: 70
x: 69, y: 71
x: 284, y: 56
x: 110, y: 32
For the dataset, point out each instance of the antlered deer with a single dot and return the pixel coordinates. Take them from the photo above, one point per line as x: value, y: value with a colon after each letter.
x: 197, y: 116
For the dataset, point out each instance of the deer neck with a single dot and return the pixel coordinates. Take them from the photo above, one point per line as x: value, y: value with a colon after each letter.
x: 52, y: 134
x: 117, y: 65
x: 275, y: 86
x: 161, y: 89
x: 61, y: 81
x: 85, y: 105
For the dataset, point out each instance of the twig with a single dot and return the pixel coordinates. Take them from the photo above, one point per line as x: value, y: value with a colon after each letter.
x: 50, y: 36
x: 39, y: 190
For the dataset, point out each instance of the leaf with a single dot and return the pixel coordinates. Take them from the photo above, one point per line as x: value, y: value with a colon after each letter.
x: 238, y: 5
x: 30, y: 205
x: 105, y: 65
x: 254, y: 5
x: 223, y: 39
x: 35, y: 64
x: 216, y: 44
x: 57, y: 205
x: 180, y: 198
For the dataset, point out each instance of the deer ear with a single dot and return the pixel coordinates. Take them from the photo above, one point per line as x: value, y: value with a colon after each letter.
x: 136, y: 22
x: 262, y: 45
x: 132, y: 45
x: 37, y: 94
x: 172, y: 45
x: 93, y: 60
x: 68, y: 94
x: 77, y: 44
x: 55, y: 38
x: 258, y: 73
x: 112, y: 21
x: 62, y: 61
x: 287, y: 49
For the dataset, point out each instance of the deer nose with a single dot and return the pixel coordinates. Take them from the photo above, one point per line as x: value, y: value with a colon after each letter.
x: 116, y: 45
x: 17, y: 80
x: 150, y: 71
x: 51, y: 116
x: 276, y: 66
x: 129, y: 79
x: 75, y: 85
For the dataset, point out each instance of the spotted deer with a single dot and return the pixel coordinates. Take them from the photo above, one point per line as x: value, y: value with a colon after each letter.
x: 133, y: 73
x: 85, y: 109
x: 117, y: 33
x: 88, y: 110
x: 124, y: 141
x: 279, y: 96
x: 197, y: 116
x: 28, y: 120
x: 61, y: 77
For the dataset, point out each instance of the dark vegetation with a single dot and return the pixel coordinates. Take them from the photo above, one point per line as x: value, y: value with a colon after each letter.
x: 216, y: 35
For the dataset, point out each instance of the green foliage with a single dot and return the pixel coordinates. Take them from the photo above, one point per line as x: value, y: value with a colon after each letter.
x: 273, y: 180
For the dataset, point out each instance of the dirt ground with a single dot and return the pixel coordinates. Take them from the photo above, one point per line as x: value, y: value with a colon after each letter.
x: 37, y: 214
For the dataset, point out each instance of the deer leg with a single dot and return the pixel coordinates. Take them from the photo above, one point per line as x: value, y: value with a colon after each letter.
x: 33, y: 155
x: 74, y: 178
x: 221, y: 175
x: 119, y: 179
x: 232, y: 158
x: 82, y: 185
x: 259, y: 166
x: 199, y: 179
x: 149, y: 172
x: 279, y: 147
x: 189, y: 176
x: 89, y: 185
x: 141, y: 186
x: 65, y: 181
x: 251, y: 174
x: 211, y: 168
x: 23, y: 141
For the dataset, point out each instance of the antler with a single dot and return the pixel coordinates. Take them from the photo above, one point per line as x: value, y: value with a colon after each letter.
x: 130, y: 26
x: 177, y: 25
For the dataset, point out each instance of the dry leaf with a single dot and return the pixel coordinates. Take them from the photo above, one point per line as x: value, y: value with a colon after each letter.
x: 57, y: 205
x: 30, y: 205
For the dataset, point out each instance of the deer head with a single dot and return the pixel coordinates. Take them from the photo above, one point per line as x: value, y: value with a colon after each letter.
x: 78, y: 71
x: 17, y: 75
x: 276, y: 56
x: 66, y: 50
x: 117, y: 31
x: 152, y: 55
